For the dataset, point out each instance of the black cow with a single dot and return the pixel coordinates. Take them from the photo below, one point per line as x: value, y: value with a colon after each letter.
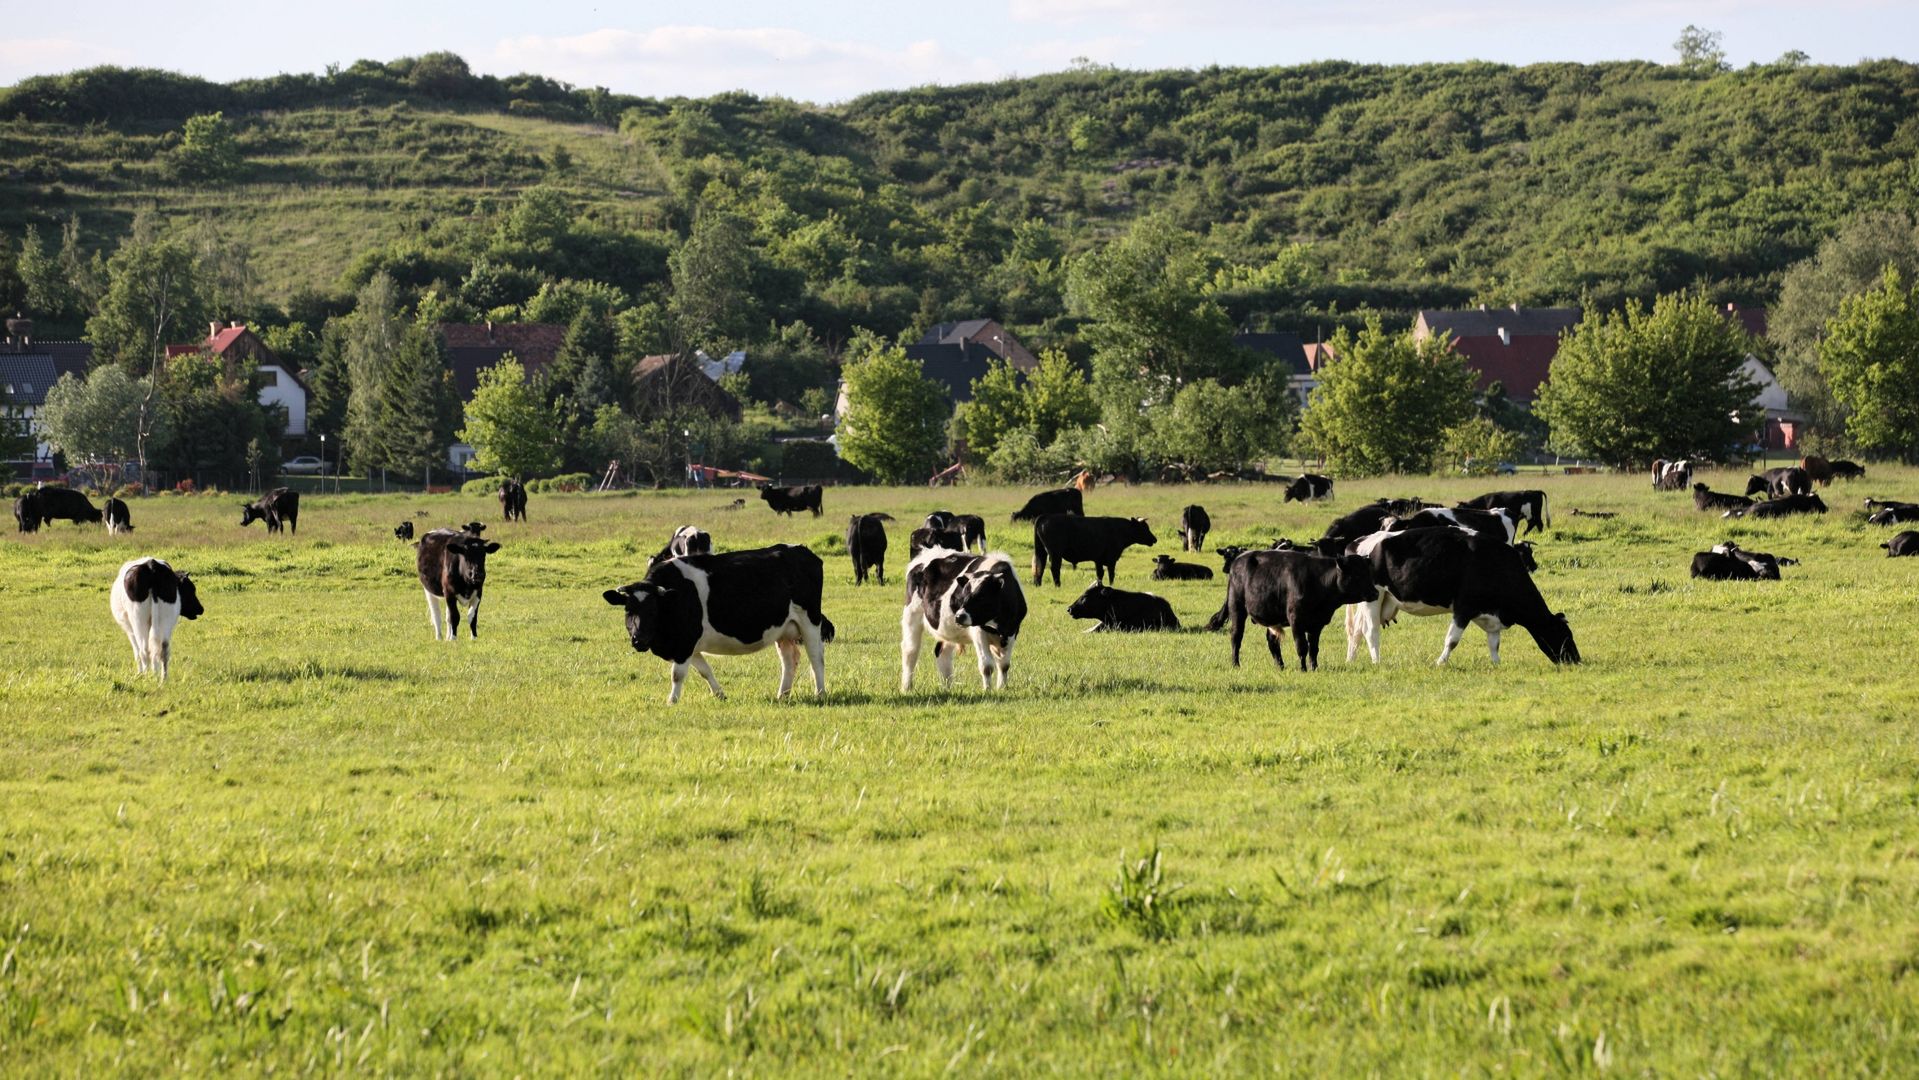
x: 1704, y: 498
x: 1476, y: 578
x: 922, y: 539
x: 1119, y: 610
x: 730, y: 604
x: 1905, y: 543
x: 686, y: 540
x: 1308, y: 487
x: 279, y: 508
x: 1278, y: 589
x: 971, y: 527
x: 1194, y: 524
x: 1365, y: 521
x: 1165, y: 569
x: 1671, y: 475
x: 1713, y: 566
x: 66, y: 504
x: 403, y: 531
x: 452, y: 565
x: 1893, y: 514
x: 1527, y: 506
x: 785, y: 500
x: 119, y: 519
x: 1763, y: 564
x: 1494, y: 523
x: 1786, y: 506
x: 1062, y: 501
x: 1848, y: 470
x: 1788, y: 480
x: 1099, y: 540
x: 961, y: 599
x: 513, y: 500
x: 26, y: 512
x: 866, y: 544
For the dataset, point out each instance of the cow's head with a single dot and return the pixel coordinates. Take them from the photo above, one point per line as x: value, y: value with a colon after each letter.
x: 1095, y: 603
x: 1756, y: 485
x: 1356, y: 579
x: 939, y: 520
x: 1162, y: 560
x: 466, y: 558
x: 1226, y: 555
x: 976, y: 597
x: 1555, y: 639
x: 1700, y: 489
x: 250, y: 513
x: 189, y: 598
x: 1141, y: 534
x: 1525, y: 550
x: 643, y: 603
x: 1816, y: 503
x: 1297, y: 490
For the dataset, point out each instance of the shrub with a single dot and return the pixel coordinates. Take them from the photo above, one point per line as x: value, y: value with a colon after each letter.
x: 573, y: 481
x: 485, y: 485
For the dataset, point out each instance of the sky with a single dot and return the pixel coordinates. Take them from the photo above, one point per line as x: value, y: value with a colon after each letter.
x: 830, y: 51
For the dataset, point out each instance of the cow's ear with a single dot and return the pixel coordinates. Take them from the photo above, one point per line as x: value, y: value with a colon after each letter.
x: 616, y: 598
x: 492, y: 546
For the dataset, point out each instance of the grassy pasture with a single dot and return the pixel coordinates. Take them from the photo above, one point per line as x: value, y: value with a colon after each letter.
x: 332, y: 844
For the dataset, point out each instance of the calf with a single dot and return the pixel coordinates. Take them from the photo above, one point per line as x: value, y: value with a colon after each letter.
x: 26, y: 512
x: 971, y: 527
x: 1309, y: 487
x: 1905, y: 543
x: 148, y: 599
x: 1474, y: 577
x: 1848, y: 470
x: 64, y: 503
x: 513, y: 500
x: 1279, y: 589
x: 1704, y: 498
x: 452, y: 567
x: 1789, y: 480
x: 1099, y: 540
x: 1786, y: 506
x: 926, y: 539
x: 1119, y: 610
x: 866, y: 544
x: 279, y: 508
x: 1062, y: 501
x: 730, y: 604
x: 1671, y: 475
x: 1765, y: 565
x: 1194, y: 524
x: 1526, y: 506
x: 1165, y: 569
x: 1818, y: 469
x: 785, y: 500
x: 961, y: 599
x: 403, y: 531
x: 119, y: 519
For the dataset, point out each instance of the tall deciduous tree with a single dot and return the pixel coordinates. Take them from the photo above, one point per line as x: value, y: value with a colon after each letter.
x: 712, y: 305
x: 96, y: 417
x: 1870, y: 358
x: 1059, y: 397
x: 1640, y: 383
x: 1000, y: 405
x: 1209, y: 427
x: 1383, y: 406
x: 511, y: 430
x: 154, y: 291
x: 895, y: 422
x: 1852, y: 260
x: 1148, y: 314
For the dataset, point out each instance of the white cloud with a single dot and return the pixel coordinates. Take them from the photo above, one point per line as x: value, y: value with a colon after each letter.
x: 22, y: 57
x: 702, y: 60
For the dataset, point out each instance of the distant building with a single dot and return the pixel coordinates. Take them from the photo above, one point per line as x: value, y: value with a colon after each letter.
x: 672, y: 381
x: 987, y: 334
x: 730, y: 364
x: 957, y: 354
x: 1513, y: 346
x: 242, y: 353
x: 28, y: 367
x: 1288, y: 350
x: 1783, y: 423
x: 475, y: 347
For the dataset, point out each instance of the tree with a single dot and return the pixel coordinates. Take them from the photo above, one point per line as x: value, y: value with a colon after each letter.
x: 1209, y: 427
x: 207, y: 150
x: 214, y: 427
x: 1148, y: 315
x: 372, y: 337
x: 512, y: 432
x: 154, y: 289
x: 1476, y: 446
x: 416, y: 402
x: 1870, y: 358
x: 1059, y: 397
x: 999, y: 405
x: 48, y: 293
x: 1700, y: 51
x: 895, y: 422
x: 1852, y: 260
x: 96, y: 418
x: 712, y: 305
x: 1384, y: 405
x: 1640, y: 384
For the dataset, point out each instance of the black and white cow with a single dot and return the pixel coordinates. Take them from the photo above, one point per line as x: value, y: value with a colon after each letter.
x: 1309, y: 487
x: 1073, y: 539
x: 513, y: 500
x: 686, y: 540
x: 1280, y: 589
x: 1905, y: 543
x: 1785, y: 506
x: 119, y: 519
x: 1888, y: 512
x: 866, y: 545
x: 1704, y: 498
x: 1119, y: 610
x: 26, y: 512
x: 148, y: 599
x: 786, y: 500
x: 403, y: 531
x: 1765, y: 565
x: 961, y: 599
x: 1848, y: 470
x: 730, y: 604
x: 1165, y: 569
x: 1475, y: 578
x: 1494, y: 523
x: 1060, y: 501
x: 1194, y: 524
x: 66, y: 504
x: 279, y: 508
x: 1671, y: 475
x: 1774, y: 483
x: 1714, y: 566
x: 1522, y: 506
x: 452, y: 565
x: 971, y: 527
x: 924, y: 539
x: 1402, y: 507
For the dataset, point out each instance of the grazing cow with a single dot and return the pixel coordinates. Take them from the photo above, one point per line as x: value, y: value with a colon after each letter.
x: 1165, y: 569
x: 1099, y: 540
x: 1704, y: 498
x: 1848, y: 470
x: 1788, y: 480
x: 866, y: 544
x: 971, y: 527
x: 403, y: 531
x: 926, y: 539
x: 785, y: 500
x: 1278, y: 589
x: 730, y: 604
x: 1119, y: 610
x: 513, y: 500
x: 1785, y: 506
x: 686, y: 540
x: 1671, y: 475
x: 1905, y: 543
x: 66, y: 504
x: 1309, y: 487
x: 1061, y: 501
x: 1763, y: 564
x: 148, y: 599
x: 1818, y: 469
x: 1494, y: 523
x: 1527, y: 506
x: 1366, y: 520
x: 961, y: 599
x: 452, y: 568
x: 1194, y: 524
x: 119, y: 520
x: 279, y: 508
x: 26, y: 512
x: 1893, y: 514
x: 1475, y: 578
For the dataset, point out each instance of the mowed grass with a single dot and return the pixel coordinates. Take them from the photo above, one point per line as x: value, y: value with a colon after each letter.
x: 331, y: 844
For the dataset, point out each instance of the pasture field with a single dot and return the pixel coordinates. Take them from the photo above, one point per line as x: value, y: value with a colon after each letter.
x: 330, y: 844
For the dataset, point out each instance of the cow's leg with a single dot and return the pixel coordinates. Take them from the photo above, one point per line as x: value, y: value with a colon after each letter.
x: 943, y: 654
x: 879, y: 568
x: 1355, y: 629
x: 452, y: 618
x: 1492, y: 644
x: 1055, y: 563
x: 1005, y: 655
x: 985, y: 658
x: 1307, y: 648
x: 472, y: 619
x: 789, y: 663
x: 679, y: 681
x: 810, y: 636
x: 1276, y: 647
x: 1454, y: 632
x: 1238, y: 634
x: 433, y: 613
x: 160, y: 649
x: 698, y: 663
x: 139, y: 651
x: 912, y: 633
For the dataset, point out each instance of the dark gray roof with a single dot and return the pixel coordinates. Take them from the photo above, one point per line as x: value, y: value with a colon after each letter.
x: 953, y: 333
x: 953, y: 366
x: 69, y: 357
x: 1283, y: 346
x: 1518, y: 322
x: 26, y: 376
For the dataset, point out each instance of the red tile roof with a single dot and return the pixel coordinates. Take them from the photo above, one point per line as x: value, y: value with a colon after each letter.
x: 1520, y: 366
x: 473, y: 347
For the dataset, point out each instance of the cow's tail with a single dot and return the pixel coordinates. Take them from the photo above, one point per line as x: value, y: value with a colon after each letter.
x: 827, y: 630
x: 1546, y: 509
x: 1039, y: 555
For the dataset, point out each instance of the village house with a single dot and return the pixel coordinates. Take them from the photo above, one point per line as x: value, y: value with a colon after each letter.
x: 28, y: 368
x: 475, y: 347
x: 242, y: 352
x: 957, y: 354
x: 1287, y: 349
x: 670, y: 381
x: 1512, y: 346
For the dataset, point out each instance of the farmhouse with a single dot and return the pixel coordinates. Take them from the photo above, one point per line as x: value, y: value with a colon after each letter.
x: 670, y: 381
x: 1287, y: 349
x: 474, y: 347
x: 1513, y: 346
x: 1782, y: 422
x: 241, y: 350
x: 956, y: 354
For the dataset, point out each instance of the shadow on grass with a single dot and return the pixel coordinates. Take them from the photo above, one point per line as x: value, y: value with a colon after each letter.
x: 308, y: 669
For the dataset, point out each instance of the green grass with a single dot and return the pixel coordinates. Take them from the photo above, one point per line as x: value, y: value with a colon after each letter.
x: 332, y: 844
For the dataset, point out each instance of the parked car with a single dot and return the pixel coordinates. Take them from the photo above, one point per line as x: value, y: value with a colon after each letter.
x: 304, y: 465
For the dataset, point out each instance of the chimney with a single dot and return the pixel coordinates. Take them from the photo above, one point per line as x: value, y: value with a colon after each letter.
x: 1505, y: 336
x: 489, y: 329
x: 1515, y: 308
x: 213, y: 329
x: 233, y: 326
x: 1482, y: 307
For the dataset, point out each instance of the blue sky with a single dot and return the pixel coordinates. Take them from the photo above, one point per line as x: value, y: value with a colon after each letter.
x: 834, y: 50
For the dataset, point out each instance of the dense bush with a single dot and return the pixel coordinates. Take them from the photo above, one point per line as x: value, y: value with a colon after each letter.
x: 574, y: 481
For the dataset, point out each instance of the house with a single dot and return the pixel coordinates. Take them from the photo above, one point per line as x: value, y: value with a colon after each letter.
x: 1513, y: 346
x: 474, y: 347
x: 670, y: 381
x: 989, y: 335
x: 28, y: 367
x: 1318, y: 355
x: 1287, y: 349
x: 240, y: 350
x: 1783, y: 423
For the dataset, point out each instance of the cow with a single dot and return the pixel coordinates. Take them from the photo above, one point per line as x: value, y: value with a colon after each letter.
x: 1848, y: 470
x: 1099, y: 540
x: 403, y: 531
x: 66, y: 504
x: 148, y: 599
x: 922, y: 539
x: 1494, y: 523
x: 1402, y: 507
x: 279, y: 508
x: 1786, y: 506
x: 1309, y: 487
x: 1881, y: 504
x: 1818, y: 469
x: 785, y: 500
x: 1704, y: 498
x: 961, y: 599
x: 1893, y: 514
x: 686, y: 540
x: 1905, y: 543
x: 513, y: 500
x: 1787, y: 480
x: 452, y: 565
x: 1119, y: 610
x: 866, y: 544
x: 1714, y: 566
x: 1165, y: 569
x: 1671, y: 475
x: 1194, y: 524
x: 1527, y: 506
x: 119, y: 520
x: 1476, y: 578
x: 1366, y: 520
x: 1061, y: 501
x: 730, y: 604
x: 1279, y: 589
x: 1765, y: 565
x: 971, y: 526
x: 26, y: 512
